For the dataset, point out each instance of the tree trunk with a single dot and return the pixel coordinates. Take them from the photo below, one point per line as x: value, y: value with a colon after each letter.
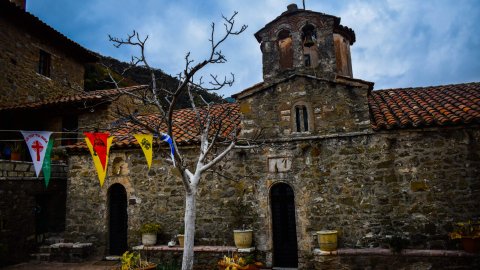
x: 190, y: 215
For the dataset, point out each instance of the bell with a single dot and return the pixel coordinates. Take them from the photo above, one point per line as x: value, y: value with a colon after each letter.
x: 308, y: 42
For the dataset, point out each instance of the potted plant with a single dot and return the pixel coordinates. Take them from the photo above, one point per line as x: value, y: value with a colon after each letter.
x: 181, y: 236
x: 240, y: 263
x: 469, y: 233
x: 327, y: 240
x: 149, y: 233
x: 133, y: 261
x: 243, y: 238
x: 16, y: 151
x: 242, y: 214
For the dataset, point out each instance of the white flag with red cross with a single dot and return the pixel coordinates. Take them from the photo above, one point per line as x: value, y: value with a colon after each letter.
x: 37, y: 142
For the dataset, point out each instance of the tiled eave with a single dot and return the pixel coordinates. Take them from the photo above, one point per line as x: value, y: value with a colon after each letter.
x: 444, y: 105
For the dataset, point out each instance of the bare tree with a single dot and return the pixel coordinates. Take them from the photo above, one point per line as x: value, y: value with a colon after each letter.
x: 210, y: 132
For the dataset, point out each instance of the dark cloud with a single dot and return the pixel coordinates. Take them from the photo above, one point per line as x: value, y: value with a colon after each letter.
x: 399, y: 43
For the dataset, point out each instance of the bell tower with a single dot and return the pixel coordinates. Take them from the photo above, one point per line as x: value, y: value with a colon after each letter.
x: 302, y: 41
x: 308, y: 87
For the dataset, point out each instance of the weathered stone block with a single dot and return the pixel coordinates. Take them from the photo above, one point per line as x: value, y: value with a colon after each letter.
x: 418, y: 186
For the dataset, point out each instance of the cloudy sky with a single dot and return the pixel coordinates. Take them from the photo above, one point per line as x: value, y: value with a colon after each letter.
x: 400, y: 43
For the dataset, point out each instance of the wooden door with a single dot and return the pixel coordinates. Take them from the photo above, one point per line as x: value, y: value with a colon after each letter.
x: 118, y: 219
x: 285, y: 250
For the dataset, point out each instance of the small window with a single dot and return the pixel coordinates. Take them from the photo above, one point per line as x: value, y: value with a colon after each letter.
x: 301, y: 118
x: 44, y: 63
x: 306, y: 58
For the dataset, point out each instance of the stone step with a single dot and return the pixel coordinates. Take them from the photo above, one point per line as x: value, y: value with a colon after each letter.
x: 71, y: 252
x: 44, y: 249
x: 113, y: 258
x: 40, y: 256
x: 54, y: 240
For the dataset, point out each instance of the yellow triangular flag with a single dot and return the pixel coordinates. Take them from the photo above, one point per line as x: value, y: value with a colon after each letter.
x: 145, y: 141
x: 96, y: 160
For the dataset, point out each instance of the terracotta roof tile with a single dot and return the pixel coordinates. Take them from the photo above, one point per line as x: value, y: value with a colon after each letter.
x: 185, y: 131
x: 389, y: 109
x: 82, y: 96
x: 443, y: 105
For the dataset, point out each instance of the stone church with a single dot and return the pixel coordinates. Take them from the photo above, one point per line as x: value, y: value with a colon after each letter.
x: 330, y: 153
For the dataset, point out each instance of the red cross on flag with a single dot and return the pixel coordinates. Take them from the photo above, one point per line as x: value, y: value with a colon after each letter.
x: 37, y: 142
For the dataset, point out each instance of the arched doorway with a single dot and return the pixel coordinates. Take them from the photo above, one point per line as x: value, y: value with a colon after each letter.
x: 284, y: 231
x: 117, y: 219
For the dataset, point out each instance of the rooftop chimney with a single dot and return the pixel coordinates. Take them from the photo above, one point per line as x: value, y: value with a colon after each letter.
x: 19, y: 3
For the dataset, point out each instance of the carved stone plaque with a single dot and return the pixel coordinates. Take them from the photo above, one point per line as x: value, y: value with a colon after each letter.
x: 279, y: 164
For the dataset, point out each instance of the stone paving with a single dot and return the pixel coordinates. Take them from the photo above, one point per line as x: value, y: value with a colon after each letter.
x: 94, y: 264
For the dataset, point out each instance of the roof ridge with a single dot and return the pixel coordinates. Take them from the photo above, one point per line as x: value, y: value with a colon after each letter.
x: 424, y: 87
x: 98, y: 94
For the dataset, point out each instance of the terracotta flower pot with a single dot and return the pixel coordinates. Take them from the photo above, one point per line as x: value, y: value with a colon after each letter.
x: 152, y: 266
x: 181, y: 239
x: 149, y: 239
x: 243, y: 238
x: 15, y: 156
x: 327, y: 240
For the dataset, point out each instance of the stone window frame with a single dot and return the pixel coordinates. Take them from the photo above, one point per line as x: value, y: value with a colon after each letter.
x: 310, y: 120
x: 44, y: 63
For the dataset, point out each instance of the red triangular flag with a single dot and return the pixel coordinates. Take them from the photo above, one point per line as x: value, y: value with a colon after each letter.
x: 99, y: 142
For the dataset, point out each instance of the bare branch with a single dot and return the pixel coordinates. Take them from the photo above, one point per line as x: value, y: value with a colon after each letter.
x: 209, y: 128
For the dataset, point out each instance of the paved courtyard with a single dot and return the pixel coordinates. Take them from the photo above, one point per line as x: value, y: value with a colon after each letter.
x: 90, y: 265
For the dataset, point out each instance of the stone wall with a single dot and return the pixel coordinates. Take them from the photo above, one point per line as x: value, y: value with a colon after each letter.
x: 20, y: 81
x: 373, y: 187
x: 23, y: 199
x: 155, y: 195
x: 98, y: 117
x: 332, y: 108
x: 412, y: 184
x: 110, y: 113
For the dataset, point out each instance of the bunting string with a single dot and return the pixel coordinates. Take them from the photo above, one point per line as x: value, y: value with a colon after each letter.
x: 40, y: 144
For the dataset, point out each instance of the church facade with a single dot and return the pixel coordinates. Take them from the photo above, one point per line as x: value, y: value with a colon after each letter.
x: 328, y: 152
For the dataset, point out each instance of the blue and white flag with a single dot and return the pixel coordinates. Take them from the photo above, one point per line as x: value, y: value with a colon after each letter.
x: 164, y: 137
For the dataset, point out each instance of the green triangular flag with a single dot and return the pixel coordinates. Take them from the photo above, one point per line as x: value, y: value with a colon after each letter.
x: 46, y: 166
